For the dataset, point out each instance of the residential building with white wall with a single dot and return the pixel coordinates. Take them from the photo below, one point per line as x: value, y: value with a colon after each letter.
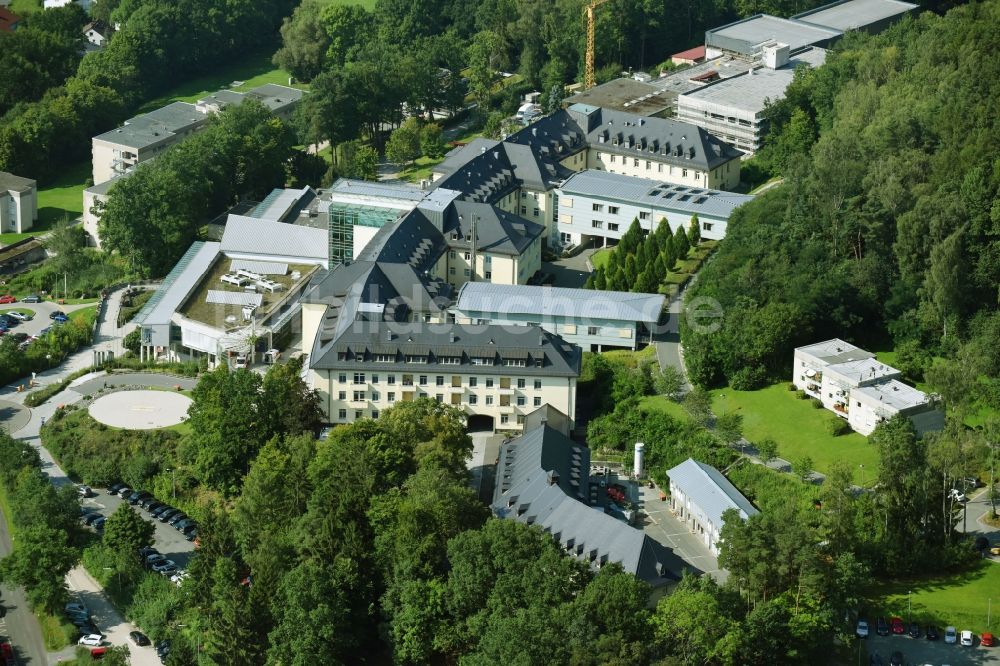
x: 733, y: 109
x: 145, y: 136
x: 522, y: 173
x: 699, y: 495
x: 18, y: 203
x: 594, y: 320
x: 855, y: 386
x: 496, y: 375
x: 597, y: 207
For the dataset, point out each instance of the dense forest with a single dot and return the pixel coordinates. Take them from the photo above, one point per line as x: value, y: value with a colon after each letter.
x: 886, y: 230
x: 49, y: 124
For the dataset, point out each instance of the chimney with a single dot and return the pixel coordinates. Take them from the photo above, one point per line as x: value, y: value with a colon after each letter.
x: 451, y: 337
x: 639, y: 459
x: 552, y: 478
x: 388, y: 336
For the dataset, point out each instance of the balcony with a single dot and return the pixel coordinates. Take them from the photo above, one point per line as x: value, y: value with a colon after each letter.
x: 505, y: 409
x: 506, y: 391
x: 840, y: 408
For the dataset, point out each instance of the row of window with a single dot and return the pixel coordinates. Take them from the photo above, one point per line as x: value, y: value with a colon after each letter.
x: 649, y: 166
x: 468, y: 256
x: 472, y: 399
x: 420, y: 359
x: 439, y: 380
x: 360, y: 414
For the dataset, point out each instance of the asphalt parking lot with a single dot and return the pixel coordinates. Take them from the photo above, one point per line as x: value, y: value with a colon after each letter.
x: 41, y: 315
x: 168, y: 541
x: 664, y: 527
x: 920, y: 651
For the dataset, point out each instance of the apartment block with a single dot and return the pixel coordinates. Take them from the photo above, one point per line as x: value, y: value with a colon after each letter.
x: 18, y: 203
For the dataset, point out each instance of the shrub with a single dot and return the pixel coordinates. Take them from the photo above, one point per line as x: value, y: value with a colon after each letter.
x: 749, y: 378
x: 837, y: 426
x: 816, y: 404
x: 802, y: 395
x: 793, y: 387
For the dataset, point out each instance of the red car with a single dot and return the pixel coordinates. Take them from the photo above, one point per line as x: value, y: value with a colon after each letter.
x: 987, y: 640
x: 897, y: 626
x: 6, y: 653
x: 4, y: 300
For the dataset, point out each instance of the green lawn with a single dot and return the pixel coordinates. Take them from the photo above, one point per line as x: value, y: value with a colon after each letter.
x: 24, y: 7
x: 797, y: 427
x: 254, y: 70
x: 959, y: 600
x: 419, y: 170
x: 662, y: 404
x: 600, y: 258
x: 62, y: 199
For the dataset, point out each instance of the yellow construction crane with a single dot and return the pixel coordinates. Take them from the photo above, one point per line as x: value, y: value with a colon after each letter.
x: 589, y: 81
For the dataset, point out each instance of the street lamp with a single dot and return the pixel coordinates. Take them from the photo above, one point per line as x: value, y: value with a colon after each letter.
x: 862, y: 468
x: 909, y: 615
x: 173, y: 480
x: 197, y: 642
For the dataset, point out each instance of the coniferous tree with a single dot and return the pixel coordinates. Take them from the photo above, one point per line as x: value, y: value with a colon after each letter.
x: 695, y: 234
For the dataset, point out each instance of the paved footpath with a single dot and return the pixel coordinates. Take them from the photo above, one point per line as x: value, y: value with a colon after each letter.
x: 24, y: 632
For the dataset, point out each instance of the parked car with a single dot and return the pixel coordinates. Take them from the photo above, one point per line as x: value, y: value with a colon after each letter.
x: 32, y: 298
x: 995, y: 550
x: 91, y: 640
x: 85, y: 491
x: 862, y: 629
x: 163, y: 565
x: 167, y: 570
x: 177, y: 517
x: 881, y: 626
x: 184, y: 524
x: 147, y: 550
x: 7, y: 299
x: 163, y: 649
x: 56, y: 313
x: 242, y: 361
x: 155, y: 513
x: 896, y: 659
x: 914, y: 630
x: 897, y: 625
x: 60, y: 318
x: 950, y: 635
x: 137, y: 496
x: 147, y: 502
x: 6, y: 652
x: 113, y: 489
x: 138, y: 638
x: 987, y: 640
x: 154, y: 558
x: 76, y: 606
x: 99, y: 523
x: 967, y: 638
x: 91, y: 518
x: 931, y: 633
x: 124, y: 492
x: 167, y: 515
x: 958, y: 496
x: 193, y: 536
x: 20, y: 316
x: 153, y: 506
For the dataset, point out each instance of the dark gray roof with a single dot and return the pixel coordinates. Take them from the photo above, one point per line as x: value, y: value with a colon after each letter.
x: 542, y: 478
x: 413, y: 239
x: 10, y: 182
x: 156, y: 126
x: 709, y: 489
x: 670, y: 141
x: 366, y: 337
x: 462, y: 155
x: 497, y: 231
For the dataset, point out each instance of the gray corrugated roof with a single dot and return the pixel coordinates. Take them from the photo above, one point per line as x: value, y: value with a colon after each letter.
x: 750, y: 92
x: 710, y: 490
x: 9, y: 181
x: 761, y: 28
x: 285, y: 204
x: 654, y: 194
x: 559, y: 302
x: 854, y: 14
x: 584, y: 532
x: 250, y: 235
x: 378, y: 189
x: 178, y: 285
x: 155, y: 126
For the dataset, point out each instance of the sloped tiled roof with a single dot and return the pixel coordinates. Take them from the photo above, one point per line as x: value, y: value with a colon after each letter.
x: 710, y: 490
x: 540, y: 475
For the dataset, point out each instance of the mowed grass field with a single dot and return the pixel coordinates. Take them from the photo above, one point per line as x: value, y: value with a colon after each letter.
x: 798, y: 428
x: 960, y: 600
